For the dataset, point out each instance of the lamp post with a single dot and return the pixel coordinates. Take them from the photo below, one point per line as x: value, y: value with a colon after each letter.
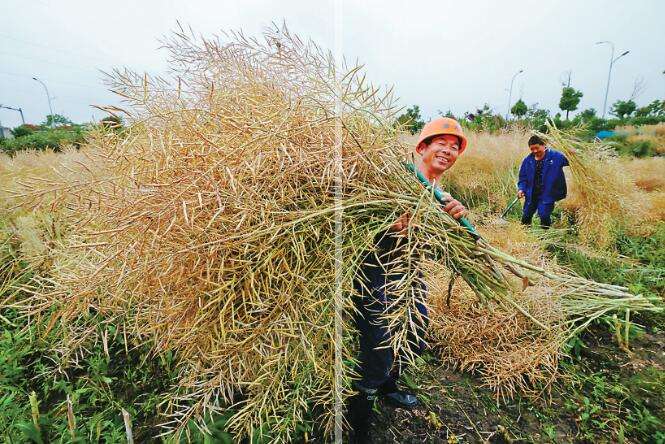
x: 15, y: 109
x: 510, y: 91
x: 48, y: 96
x: 609, y: 72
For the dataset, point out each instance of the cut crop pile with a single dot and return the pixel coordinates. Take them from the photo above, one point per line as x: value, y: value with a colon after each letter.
x: 604, y: 197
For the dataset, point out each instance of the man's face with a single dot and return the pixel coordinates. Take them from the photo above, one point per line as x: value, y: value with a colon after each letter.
x: 441, y: 153
x: 537, y: 150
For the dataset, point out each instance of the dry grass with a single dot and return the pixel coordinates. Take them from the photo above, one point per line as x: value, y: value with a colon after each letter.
x: 655, y: 134
x: 648, y: 174
x: 655, y: 211
x: 43, y: 169
x: 612, y: 194
x: 658, y: 142
x: 602, y: 195
x: 500, y: 345
x: 33, y: 190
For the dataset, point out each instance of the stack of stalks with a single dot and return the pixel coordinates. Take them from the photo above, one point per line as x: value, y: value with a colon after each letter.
x: 604, y: 198
x: 499, y: 343
x: 234, y: 208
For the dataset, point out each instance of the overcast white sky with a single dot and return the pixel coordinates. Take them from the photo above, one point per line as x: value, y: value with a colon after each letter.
x: 439, y: 54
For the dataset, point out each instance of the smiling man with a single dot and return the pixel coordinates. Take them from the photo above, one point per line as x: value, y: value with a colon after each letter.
x: 541, y: 181
x: 439, y: 145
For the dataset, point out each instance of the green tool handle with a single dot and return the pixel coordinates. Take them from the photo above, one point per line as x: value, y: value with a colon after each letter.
x: 512, y: 204
x: 441, y: 198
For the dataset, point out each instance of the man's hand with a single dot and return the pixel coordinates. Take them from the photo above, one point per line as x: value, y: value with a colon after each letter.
x: 454, y: 207
x: 402, y: 223
x: 520, y: 194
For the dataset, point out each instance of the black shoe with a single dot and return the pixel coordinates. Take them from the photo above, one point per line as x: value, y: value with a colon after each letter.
x: 360, y: 414
x: 396, y: 396
x: 402, y: 399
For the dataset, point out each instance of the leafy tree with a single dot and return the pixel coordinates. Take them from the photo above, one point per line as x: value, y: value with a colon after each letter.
x: 519, y: 109
x: 556, y: 120
x: 623, y: 108
x: 25, y: 130
x: 537, y: 117
x: 570, y: 98
x: 484, y: 119
x: 587, y: 114
x: 448, y: 113
x: 486, y: 110
x: 653, y: 109
x: 411, y: 119
x: 479, y: 113
x: 56, y: 120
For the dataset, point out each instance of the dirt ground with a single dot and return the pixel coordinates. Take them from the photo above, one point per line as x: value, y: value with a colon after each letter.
x: 456, y: 409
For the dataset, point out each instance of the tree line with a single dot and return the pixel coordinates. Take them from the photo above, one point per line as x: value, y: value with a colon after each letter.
x: 486, y: 119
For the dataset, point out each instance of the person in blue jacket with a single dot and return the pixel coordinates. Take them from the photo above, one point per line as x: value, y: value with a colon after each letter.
x: 541, y: 181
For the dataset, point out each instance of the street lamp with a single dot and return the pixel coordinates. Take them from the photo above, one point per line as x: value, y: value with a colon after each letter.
x: 609, y: 73
x: 15, y: 109
x: 48, y: 96
x: 510, y: 93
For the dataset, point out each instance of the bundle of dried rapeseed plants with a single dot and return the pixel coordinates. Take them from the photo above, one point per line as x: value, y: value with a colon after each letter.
x: 241, y: 197
x: 604, y: 198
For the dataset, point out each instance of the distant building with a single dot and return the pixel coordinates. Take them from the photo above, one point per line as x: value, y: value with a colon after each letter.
x: 5, y: 133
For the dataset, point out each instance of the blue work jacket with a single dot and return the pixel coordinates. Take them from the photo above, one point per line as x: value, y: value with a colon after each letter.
x: 554, y: 181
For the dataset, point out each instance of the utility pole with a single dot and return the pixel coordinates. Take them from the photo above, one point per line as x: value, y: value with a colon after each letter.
x: 510, y: 93
x: 15, y: 109
x: 48, y: 96
x: 609, y: 72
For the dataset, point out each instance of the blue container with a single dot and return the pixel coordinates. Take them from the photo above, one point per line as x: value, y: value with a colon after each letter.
x: 604, y: 134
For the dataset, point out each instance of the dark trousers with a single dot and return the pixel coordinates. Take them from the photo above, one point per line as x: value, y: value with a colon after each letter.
x: 378, y: 366
x: 544, y: 211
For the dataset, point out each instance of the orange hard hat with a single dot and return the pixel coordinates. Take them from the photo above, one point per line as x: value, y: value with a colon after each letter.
x: 443, y: 125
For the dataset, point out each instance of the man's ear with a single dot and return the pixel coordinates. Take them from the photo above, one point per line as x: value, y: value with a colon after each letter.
x: 420, y: 148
